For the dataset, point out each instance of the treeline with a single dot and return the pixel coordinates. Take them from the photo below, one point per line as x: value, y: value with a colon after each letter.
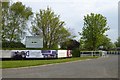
x: 47, y: 24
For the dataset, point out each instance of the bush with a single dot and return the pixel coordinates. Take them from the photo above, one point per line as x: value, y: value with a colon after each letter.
x: 12, y: 45
x: 76, y: 52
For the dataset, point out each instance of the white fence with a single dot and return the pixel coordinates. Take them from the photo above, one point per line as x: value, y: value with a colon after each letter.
x: 113, y: 52
x: 93, y: 53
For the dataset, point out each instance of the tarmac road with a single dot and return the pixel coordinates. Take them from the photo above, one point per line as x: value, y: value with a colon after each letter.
x: 104, y: 67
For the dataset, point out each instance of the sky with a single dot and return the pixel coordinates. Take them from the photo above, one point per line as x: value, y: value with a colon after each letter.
x: 73, y: 12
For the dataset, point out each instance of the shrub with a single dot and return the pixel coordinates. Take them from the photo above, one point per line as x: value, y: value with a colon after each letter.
x: 76, y: 52
x: 12, y: 45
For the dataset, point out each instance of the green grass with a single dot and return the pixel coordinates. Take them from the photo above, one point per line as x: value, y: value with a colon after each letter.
x: 26, y: 63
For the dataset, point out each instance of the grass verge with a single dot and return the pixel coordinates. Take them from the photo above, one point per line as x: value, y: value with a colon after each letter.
x: 26, y: 63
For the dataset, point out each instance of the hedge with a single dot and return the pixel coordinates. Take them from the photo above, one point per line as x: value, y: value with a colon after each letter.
x: 76, y: 52
x: 12, y: 45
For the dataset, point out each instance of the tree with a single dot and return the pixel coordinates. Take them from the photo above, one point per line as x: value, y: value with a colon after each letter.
x: 82, y: 44
x: 73, y: 45
x: 0, y: 22
x: 14, y: 21
x: 117, y: 43
x: 106, y: 43
x: 70, y: 44
x: 95, y: 25
x: 47, y: 24
x: 4, y: 30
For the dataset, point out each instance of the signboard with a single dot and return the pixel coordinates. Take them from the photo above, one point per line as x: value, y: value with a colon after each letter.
x: 49, y: 53
x: 5, y: 53
x: 23, y: 54
x: 62, y: 53
x: 34, y: 53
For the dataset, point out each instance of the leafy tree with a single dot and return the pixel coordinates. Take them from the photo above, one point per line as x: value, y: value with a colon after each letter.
x: 111, y: 46
x: 5, y: 12
x: 95, y: 25
x: 0, y: 21
x: 81, y: 44
x: 73, y: 45
x: 14, y: 20
x: 117, y: 43
x: 70, y: 44
x: 48, y: 25
x: 106, y: 43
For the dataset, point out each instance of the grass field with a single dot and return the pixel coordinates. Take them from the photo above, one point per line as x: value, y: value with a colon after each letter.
x: 26, y: 63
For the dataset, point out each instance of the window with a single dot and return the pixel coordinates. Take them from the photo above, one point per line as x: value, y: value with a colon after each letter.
x: 34, y: 42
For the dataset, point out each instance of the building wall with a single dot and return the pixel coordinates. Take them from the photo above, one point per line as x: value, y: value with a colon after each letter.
x: 34, y: 42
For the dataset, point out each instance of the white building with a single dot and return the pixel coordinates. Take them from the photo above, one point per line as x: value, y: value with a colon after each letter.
x: 34, y: 42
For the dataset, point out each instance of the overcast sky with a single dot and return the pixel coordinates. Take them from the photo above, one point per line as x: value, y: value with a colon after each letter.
x: 73, y: 12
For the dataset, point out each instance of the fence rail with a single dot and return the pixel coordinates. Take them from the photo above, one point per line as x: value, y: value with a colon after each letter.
x: 113, y: 52
x: 98, y: 53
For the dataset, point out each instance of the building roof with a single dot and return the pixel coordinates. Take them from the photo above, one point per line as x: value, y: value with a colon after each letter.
x: 33, y: 37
